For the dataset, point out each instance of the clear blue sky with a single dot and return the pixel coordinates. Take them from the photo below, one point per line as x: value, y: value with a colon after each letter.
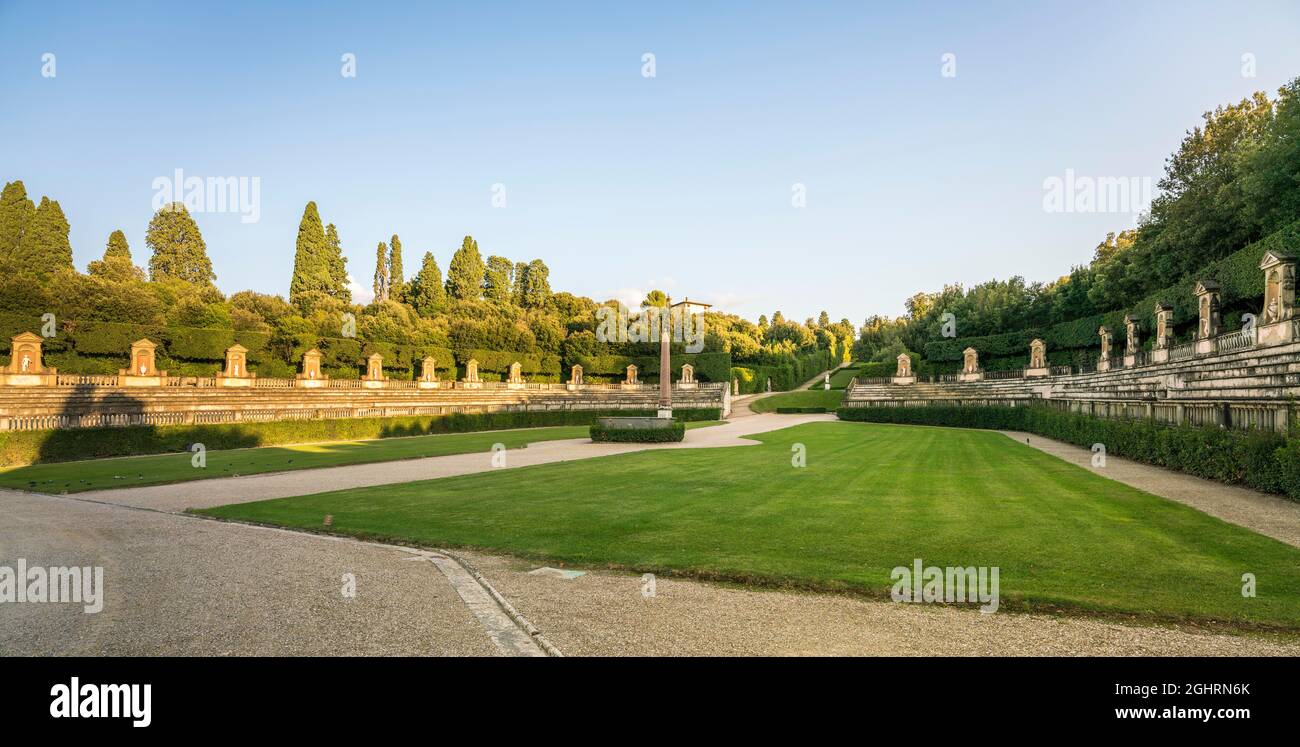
x: 619, y: 182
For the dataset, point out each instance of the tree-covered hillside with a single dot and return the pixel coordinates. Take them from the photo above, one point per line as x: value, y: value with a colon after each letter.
x: 1231, y: 188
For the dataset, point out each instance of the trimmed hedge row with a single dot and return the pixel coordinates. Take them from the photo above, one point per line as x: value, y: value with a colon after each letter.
x: 18, y: 448
x: 675, y: 432
x: 1263, y: 460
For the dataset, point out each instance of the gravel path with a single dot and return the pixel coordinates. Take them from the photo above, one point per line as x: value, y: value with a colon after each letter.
x: 182, y: 586
x: 606, y: 614
x: 1270, y: 515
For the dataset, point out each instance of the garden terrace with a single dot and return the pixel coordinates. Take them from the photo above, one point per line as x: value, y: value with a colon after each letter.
x: 91, y: 404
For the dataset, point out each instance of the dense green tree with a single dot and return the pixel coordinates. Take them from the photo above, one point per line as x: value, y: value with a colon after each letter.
x: 44, y: 248
x: 466, y: 271
x: 381, y: 273
x: 537, y: 289
x: 396, y: 276
x: 116, y: 264
x: 426, y: 292
x: 498, y: 279
x: 311, y: 267
x: 178, y: 249
x: 338, y: 265
x: 520, y: 288
x: 16, y: 211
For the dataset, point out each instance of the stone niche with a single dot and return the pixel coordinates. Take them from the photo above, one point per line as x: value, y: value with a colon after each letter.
x: 143, y: 371
x: 516, y: 379
x: 1275, y: 325
x: 1132, y: 341
x: 1164, y: 333
x: 428, y: 374
x: 903, y: 371
x: 1037, y: 359
x: 687, y: 380
x: 311, y: 376
x: 1103, y: 363
x: 970, y: 367
x: 631, y: 382
x: 236, y: 372
x: 575, y: 378
x: 374, y: 377
x: 1207, y: 316
x: 25, y: 367
x: 471, y: 380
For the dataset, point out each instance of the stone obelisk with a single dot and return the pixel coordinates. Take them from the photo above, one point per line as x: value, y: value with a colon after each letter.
x: 665, y: 361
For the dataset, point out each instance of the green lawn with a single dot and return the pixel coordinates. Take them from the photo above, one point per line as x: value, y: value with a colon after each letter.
x: 872, y: 497
x: 799, y: 398
x: 96, y: 474
x: 840, y: 379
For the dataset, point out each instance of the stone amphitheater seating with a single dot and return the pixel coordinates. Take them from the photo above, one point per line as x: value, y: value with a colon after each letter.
x: 1247, y: 388
x: 88, y: 404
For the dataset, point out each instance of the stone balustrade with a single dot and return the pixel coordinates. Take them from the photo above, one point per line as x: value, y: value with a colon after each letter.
x: 82, y: 401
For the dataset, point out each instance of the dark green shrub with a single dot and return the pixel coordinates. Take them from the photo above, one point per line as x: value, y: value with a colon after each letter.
x: 673, y: 433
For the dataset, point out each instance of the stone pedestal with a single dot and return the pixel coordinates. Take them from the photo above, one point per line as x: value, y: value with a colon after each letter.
x: 234, y: 381
x: 1275, y: 334
x: 236, y: 373
x: 1130, y: 361
x: 471, y: 376
x: 1160, y: 355
x: 1034, y: 372
x: 25, y: 367
x: 311, y: 376
x: 133, y: 380
x: 1103, y: 365
x: 372, y: 383
x: 516, y: 379
x: 1204, y: 347
x: 970, y: 370
x: 903, y: 380
x: 142, y: 371
x: 428, y: 375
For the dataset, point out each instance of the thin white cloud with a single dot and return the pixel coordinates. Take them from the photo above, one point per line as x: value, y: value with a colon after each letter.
x: 360, y: 293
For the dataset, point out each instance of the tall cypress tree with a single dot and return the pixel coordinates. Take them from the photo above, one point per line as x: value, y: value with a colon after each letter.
x: 116, y: 264
x: 44, y: 248
x: 338, y: 265
x: 465, y: 273
x: 426, y: 293
x: 396, y: 277
x: 311, y: 271
x: 381, y: 272
x: 16, y: 211
x: 117, y: 247
x: 178, y: 248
